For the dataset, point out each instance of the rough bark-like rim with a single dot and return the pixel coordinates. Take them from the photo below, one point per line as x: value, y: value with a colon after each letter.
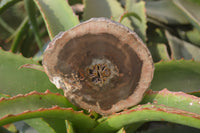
x: 138, y: 46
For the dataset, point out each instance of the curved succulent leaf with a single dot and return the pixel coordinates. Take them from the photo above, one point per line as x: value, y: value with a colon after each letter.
x: 166, y: 12
x: 190, y: 8
x: 105, y: 8
x: 5, y: 4
x: 177, y: 100
x: 32, y: 101
x: 58, y: 15
x: 81, y: 122
x: 147, y: 113
x: 182, y: 49
x: 193, y: 36
x: 176, y: 75
x: 15, y: 81
x: 139, y: 26
x: 40, y: 125
x: 159, y: 52
x: 42, y: 105
x: 57, y: 124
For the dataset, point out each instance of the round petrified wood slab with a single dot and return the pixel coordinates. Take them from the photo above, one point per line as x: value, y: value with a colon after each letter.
x: 101, y: 65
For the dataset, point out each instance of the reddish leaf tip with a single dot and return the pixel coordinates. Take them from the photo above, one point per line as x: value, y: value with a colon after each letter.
x: 1, y: 99
x: 47, y: 91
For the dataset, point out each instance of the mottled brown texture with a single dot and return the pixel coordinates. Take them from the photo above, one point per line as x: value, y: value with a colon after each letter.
x: 94, y: 43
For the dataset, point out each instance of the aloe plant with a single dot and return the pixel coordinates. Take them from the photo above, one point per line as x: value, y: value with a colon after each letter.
x: 171, y: 33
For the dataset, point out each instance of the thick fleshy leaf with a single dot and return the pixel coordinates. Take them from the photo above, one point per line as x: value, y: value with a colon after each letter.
x: 32, y: 101
x: 138, y: 8
x: 191, y: 36
x: 102, y: 8
x: 194, y: 36
x: 5, y: 4
x: 40, y: 105
x: 165, y: 11
x: 176, y: 75
x: 40, y: 125
x: 105, y: 8
x: 15, y: 81
x: 57, y: 124
x: 81, y: 122
x: 182, y: 49
x: 190, y: 8
x: 179, y: 100
x: 58, y: 16
x: 147, y: 113
x: 159, y: 52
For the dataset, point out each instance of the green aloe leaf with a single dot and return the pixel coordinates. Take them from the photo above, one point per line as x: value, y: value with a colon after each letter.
x: 182, y: 49
x: 102, y: 8
x: 105, y: 8
x: 5, y: 4
x: 15, y: 81
x: 58, y: 15
x: 19, y: 34
x: 159, y: 52
x: 57, y: 124
x: 139, y: 9
x: 81, y: 122
x: 179, y: 100
x: 166, y: 12
x: 31, y: 11
x: 176, y: 75
x: 190, y: 8
x: 32, y: 101
x: 193, y: 36
x: 43, y: 105
x: 147, y: 113
x: 40, y: 125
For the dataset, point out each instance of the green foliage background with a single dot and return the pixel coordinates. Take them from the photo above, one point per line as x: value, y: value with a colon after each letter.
x: 170, y: 29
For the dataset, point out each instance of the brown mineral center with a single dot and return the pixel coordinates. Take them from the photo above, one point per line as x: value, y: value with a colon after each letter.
x: 101, y: 65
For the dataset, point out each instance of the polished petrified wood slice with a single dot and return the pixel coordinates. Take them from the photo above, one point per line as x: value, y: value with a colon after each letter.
x: 101, y: 65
